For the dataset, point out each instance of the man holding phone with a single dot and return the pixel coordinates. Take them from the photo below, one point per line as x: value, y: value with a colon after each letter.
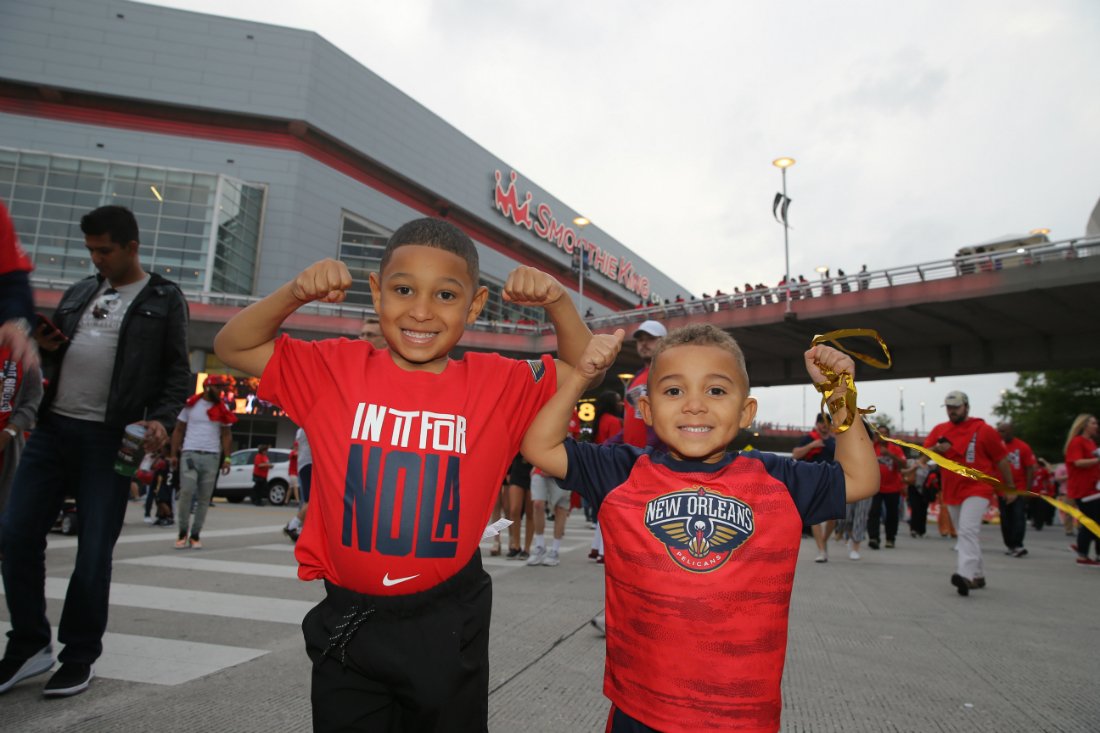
x: 971, y: 442
x: 117, y: 355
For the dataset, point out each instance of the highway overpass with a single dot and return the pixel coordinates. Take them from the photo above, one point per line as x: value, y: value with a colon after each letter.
x: 1035, y: 310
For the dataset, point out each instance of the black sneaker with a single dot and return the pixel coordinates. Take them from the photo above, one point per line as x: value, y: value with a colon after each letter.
x: 13, y: 671
x: 72, y: 679
x: 962, y: 585
x: 873, y: 544
x: 291, y: 533
x: 1019, y: 552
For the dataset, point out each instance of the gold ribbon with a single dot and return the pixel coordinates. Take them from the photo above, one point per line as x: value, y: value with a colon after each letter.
x: 839, y: 389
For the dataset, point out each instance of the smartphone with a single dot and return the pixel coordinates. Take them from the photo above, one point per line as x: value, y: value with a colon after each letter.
x: 49, y: 330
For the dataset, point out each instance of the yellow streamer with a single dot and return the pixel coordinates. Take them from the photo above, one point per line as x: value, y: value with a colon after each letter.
x: 844, y: 387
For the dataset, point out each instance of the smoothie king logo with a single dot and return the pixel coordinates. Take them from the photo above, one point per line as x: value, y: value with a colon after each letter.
x: 541, y: 221
x: 699, y: 528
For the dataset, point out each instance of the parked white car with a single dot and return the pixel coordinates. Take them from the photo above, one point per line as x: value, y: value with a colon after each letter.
x: 237, y: 485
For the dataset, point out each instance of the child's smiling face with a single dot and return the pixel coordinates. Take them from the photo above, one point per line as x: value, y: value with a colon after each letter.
x: 425, y: 297
x: 698, y: 401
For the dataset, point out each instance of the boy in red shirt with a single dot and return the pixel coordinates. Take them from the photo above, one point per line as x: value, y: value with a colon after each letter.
x: 702, y: 542
x: 884, y: 507
x: 410, y: 448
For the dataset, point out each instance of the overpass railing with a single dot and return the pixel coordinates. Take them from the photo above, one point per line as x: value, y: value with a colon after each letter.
x: 1029, y: 256
x: 826, y: 287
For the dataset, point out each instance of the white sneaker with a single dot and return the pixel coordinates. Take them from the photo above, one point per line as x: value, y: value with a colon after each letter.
x: 13, y: 672
x: 149, y: 520
x: 537, y: 557
x: 853, y: 555
x: 821, y: 557
x: 552, y: 559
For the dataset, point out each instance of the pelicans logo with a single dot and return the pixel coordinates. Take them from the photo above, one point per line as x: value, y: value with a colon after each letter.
x: 699, y: 527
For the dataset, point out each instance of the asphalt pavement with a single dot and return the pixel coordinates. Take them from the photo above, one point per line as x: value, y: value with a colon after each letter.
x: 209, y: 640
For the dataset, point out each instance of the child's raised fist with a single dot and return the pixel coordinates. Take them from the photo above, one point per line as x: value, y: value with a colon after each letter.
x: 528, y: 286
x: 600, y: 353
x: 822, y: 356
x: 324, y: 280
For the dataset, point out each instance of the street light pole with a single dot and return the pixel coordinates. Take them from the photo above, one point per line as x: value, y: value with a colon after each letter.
x: 922, y: 417
x: 581, y: 223
x: 783, y: 164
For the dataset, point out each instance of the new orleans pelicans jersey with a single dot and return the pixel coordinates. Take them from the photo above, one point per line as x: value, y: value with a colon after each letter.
x: 699, y: 567
x: 406, y: 465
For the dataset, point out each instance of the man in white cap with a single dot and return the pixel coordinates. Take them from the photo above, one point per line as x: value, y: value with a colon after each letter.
x: 635, y: 431
x: 971, y: 442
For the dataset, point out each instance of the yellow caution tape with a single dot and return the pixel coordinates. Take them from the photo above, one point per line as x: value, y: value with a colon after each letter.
x: 839, y: 389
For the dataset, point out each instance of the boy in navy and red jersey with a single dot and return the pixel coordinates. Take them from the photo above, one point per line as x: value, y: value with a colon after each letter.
x: 409, y: 451
x: 884, y: 507
x: 702, y: 542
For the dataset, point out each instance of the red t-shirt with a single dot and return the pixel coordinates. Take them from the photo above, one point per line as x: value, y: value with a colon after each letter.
x: 261, y: 465
x: 1020, y: 457
x: 889, y: 472
x: 292, y: 469
x: 700, y: 566
x: 1081, y: 482
x: 608, y: 426
x: 635, y: 431
x: 13, y: 258
x: 974, y: 444
x: 406, y: 465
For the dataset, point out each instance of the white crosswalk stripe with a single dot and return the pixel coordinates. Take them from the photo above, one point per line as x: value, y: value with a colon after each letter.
x: 167, y: 661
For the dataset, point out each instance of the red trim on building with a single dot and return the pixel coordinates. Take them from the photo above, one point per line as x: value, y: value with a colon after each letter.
x: 291, y: 135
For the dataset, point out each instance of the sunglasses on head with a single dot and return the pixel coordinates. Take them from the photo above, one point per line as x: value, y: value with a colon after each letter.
x: 102, y: 307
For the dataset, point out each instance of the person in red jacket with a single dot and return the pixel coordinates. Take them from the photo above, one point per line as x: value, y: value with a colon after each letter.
x: 1014, y: 515
x: 971, y: 442
x: 1083, y: 468
x: 891, y: 459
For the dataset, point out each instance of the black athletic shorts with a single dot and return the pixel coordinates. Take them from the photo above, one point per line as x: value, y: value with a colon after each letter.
x: 413, y: 663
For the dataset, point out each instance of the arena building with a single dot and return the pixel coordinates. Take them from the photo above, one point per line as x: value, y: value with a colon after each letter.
x: 248, y: 151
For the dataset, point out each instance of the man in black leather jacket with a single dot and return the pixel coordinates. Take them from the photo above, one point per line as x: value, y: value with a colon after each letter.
x: 117, y: 356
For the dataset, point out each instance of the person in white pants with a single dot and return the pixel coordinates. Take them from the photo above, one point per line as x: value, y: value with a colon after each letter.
x: 971, y: 442
x: 545, y: 491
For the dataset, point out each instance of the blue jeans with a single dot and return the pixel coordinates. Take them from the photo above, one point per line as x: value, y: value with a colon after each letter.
x: 75, y: 456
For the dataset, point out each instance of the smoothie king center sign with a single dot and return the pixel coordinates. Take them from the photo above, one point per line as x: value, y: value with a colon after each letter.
x: 542, y: 222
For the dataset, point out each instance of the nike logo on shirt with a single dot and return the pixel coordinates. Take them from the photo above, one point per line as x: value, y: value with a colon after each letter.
x: 388, y: 581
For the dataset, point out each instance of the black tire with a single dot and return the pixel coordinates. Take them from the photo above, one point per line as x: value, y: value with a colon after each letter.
x: 277, y: 492
x: 234, y: 499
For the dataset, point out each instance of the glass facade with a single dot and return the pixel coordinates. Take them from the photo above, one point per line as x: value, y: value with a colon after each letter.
x: 361, y: 247
x: 175, y: 210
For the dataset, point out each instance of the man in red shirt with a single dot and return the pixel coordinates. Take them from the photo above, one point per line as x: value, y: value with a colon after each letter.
x: 1014, y: 514
x: 635, y: 432
x: 261, y: 466
x: 971, y: 442
x: 891, y: 460
x: 17, y: 300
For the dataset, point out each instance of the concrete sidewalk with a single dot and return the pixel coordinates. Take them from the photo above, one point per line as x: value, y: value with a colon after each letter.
x: 883, y: 644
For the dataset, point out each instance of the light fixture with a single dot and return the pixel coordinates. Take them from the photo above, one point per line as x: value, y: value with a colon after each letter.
x: 581, y: 221
x: 822, y: 269
x: 156, y: 193
x: 1021, y: 250
x: 1040, y: 230
x: 783, y: 162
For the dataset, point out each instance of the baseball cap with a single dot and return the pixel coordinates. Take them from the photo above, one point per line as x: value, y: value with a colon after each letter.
x: 216, y: 380
x: 956, y: 399
x: 653, y: 328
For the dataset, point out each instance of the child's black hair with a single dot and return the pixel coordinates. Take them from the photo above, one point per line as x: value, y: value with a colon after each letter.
x: 429, y: 232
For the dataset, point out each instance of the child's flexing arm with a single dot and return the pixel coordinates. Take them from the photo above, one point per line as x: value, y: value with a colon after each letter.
x: 528, y: 286
x: 542, y: 445
x: 248, y: 340
x: 854, y: 451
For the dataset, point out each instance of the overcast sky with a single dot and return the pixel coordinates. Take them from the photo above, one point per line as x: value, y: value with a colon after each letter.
x: 917, y: 128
